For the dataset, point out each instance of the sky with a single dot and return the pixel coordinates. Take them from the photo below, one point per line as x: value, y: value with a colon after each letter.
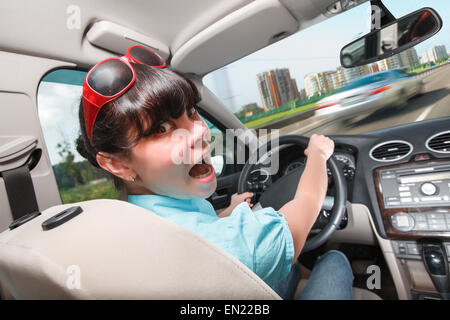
x: 315, y: 49
x: 58, y: 108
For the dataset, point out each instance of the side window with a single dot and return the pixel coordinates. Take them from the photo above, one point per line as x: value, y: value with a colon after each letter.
x: 222, y: 158
x: 58, y: 100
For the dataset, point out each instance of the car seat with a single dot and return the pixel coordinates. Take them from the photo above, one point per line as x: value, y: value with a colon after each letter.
x: 116, y: 250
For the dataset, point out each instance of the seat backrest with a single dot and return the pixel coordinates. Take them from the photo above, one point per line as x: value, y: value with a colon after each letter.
x: 116, y: 250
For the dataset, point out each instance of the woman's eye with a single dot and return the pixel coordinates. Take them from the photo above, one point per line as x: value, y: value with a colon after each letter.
x: 164, y: 127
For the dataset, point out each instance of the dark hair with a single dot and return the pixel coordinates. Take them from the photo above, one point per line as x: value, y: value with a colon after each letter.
x: 156, y: 96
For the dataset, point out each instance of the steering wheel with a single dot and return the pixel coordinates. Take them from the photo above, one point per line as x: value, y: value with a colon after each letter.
x: 283, y: 189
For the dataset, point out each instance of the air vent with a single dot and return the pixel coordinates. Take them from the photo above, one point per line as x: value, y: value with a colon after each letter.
x: 439, y: 142
x: 391, y: 151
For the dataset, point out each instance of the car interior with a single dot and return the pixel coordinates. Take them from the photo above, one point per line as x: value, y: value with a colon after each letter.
x: 387, y: 206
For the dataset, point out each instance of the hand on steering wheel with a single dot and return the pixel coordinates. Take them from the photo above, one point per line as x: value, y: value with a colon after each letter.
x: 283, y: 190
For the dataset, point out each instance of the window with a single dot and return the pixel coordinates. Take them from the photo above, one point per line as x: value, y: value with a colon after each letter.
x: 222, y: 158
x: 58, y: 98
x: 280, y: 86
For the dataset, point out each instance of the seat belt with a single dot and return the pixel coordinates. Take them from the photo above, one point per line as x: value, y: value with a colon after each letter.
x: 20, y: 191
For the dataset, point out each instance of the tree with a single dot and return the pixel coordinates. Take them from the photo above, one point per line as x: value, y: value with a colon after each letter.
x: 249, y: 108
x: 68, y: 164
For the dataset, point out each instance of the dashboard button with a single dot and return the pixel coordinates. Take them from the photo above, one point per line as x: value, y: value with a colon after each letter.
x: 403, y: 221
x: 405, y: 194
x: 392, y: 198
x: 412, y: 248
x: 420, y: 217
x: 435, y: 216
x: 430, y: 199
x: 428, y: 189
x: 437, y: 227
x: 436, y: 221
x: 421, y: 226
x: 421, y: 157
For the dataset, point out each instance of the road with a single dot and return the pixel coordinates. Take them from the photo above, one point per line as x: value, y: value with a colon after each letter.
x: 434, y: 103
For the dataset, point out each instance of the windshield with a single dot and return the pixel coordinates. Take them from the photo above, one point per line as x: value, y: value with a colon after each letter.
x: 298, y: 86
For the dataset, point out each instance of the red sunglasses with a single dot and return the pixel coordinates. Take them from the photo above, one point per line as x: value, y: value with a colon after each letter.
x: 111, y: 78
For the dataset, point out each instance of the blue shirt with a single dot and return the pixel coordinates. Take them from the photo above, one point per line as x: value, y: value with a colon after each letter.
x: 259, y: 239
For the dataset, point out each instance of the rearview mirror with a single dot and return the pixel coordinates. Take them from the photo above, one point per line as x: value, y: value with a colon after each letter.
x: 392, y: 38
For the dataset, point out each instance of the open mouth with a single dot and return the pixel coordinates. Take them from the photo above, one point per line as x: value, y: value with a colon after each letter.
x: 200, y: 170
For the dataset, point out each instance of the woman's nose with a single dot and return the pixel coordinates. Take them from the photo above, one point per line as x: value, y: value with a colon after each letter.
x: 198, y: 132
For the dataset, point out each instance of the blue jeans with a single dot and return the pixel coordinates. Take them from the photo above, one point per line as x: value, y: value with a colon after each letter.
x: 331, y: 279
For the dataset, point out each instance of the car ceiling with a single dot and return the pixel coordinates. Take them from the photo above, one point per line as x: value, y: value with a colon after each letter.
x: 190, y: 30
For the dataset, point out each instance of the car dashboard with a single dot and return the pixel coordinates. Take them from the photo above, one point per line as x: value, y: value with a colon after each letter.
x: 398, y: 179
x: 380, y: 168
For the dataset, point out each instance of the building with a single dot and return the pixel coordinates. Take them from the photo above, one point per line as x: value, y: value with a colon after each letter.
x: 424, y: 58
x: 221, y: 86
x: 329, y: 81
x: 302, y: 94
x: 312, y: 85
x: 409, y: 58
x: 340, y: 73
x: 276, y: 88
x: 438, y: 53
x: 390, y: 63
x: 434, y: 54
x: 405, y: 59
x: 373, y: 68
x: 295, y: 90
x: 355, y: 73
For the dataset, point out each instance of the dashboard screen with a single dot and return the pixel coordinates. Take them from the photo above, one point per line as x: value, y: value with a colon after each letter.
x: 425, y: 177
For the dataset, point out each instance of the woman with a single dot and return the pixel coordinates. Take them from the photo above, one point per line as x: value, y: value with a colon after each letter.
x: 138, y: 121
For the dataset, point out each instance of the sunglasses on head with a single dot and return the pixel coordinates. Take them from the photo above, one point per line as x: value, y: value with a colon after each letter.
x: 111, y: 78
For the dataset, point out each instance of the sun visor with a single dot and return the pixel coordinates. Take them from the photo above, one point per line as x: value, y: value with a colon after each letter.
x: 116, y: 38
x: 238, y: 34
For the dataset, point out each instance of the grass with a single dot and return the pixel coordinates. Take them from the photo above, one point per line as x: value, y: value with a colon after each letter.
x: 276, y: 116
x: 103, y: 190
x: 420, y: 69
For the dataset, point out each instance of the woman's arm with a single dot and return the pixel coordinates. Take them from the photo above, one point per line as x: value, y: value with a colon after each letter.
x: 302, y: 211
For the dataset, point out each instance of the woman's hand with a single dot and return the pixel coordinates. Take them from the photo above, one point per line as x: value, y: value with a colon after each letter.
x: 235, y: 200
x: 319, y: 145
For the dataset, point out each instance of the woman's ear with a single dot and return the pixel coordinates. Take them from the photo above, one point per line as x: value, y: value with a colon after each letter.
x: 116, y: 166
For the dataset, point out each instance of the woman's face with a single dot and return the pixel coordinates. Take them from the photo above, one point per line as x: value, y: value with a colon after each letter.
x: 175, y: 161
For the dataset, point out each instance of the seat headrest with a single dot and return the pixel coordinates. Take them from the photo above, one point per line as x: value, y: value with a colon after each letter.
x: 116, y: 250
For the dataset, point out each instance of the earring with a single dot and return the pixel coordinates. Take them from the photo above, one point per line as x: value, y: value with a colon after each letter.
x: 133, y: 179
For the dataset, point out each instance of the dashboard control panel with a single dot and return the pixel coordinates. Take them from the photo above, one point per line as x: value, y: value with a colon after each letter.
x: 416, y: 186
x: 414, y: 198
x: 421, y: 221
x: 411, y: 250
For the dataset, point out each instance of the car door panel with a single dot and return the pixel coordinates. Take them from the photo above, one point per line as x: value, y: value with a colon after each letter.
x: 19, y: 121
